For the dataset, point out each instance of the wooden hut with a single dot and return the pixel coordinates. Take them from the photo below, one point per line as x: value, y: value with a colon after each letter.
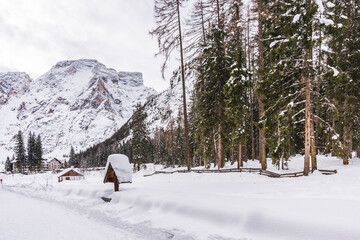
x: 70, y: 174
x: 118, y: 170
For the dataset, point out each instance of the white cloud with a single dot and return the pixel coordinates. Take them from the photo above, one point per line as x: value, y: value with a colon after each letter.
x: 36, y: 34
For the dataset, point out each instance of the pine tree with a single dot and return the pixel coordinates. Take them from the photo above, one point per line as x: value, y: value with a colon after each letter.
x: 31, y: 159
x: 170, y: 37
x: 344, y: 70
x: 139, y: 137
x: 38, y: 152
x: 258, y: 7
x: 72, y: 157
x: 20, y: 154
x: 213, y: 73
x: 8, y: 166
x: 180, y: 151
x: 236, y: 89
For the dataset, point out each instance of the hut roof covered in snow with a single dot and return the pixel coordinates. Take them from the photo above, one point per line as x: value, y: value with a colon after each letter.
x: 70, y: 171
x: 118, y: 166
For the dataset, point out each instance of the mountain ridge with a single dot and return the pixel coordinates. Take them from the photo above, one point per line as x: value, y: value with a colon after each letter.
x: 76, y: 103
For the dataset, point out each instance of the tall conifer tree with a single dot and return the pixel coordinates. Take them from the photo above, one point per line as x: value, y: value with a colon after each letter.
x: 20, y: 154
x: 170, y: 37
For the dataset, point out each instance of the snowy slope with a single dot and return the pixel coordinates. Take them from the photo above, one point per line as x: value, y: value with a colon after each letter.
x: 166, y: 105
x: 214, y: 206
x: 77, y: 103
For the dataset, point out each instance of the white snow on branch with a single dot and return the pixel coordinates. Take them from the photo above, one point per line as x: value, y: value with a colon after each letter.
x: 296, y: 18
x: 320, y: 6
x: 336, y: 72
x: 326, y: 21
x: 330, y: 4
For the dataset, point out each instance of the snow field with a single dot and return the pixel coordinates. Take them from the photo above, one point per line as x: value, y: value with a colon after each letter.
x: 213, y: 205
x: 26, y: 218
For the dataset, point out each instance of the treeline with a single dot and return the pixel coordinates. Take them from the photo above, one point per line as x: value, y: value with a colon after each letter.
x: 272, y: 79
x: 163, y: 146
x: 26, y: 158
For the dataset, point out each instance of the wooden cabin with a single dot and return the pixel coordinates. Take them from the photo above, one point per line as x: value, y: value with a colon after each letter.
x: 70, y: 174
x: 118, y: 170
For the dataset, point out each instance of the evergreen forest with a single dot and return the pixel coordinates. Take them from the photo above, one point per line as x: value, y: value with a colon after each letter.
x: 271, y: 79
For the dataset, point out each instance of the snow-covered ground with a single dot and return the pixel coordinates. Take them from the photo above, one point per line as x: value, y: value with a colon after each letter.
x: 204, y: 206
x: 28, y: 218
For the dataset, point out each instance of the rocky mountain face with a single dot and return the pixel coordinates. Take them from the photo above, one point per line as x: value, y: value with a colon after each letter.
x: 77, y: 103
x: 13, y: 84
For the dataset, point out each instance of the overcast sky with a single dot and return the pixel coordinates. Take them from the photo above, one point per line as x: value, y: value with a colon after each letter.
x: 35, y: 34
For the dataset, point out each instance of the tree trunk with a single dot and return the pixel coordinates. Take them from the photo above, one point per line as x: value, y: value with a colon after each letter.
x: 307, y: 81
x: 358, y: 152
x: 245, y: 150
x: 350, y: 145
x: 232, y: 156
x: 346, y: 134
x: 240, y: 163
x: 218, y: 13
x: 307, y: 128
x: 307, y: 119
x: 220, y: 147
x: 332, y: 141
x: 205, y: 158
x: 346, y: 146
x: 203, y: 22
x: 251, y: 92
x: 313, y: 149
x: 261, y: 106
x: 213, y: 148
x: 186, y: 132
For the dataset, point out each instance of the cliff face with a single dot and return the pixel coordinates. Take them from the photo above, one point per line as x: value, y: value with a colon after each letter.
x: 76, y: 103
x: 13, y: 84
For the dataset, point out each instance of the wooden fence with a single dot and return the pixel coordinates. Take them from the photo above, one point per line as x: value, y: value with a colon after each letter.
x: 247, y: 170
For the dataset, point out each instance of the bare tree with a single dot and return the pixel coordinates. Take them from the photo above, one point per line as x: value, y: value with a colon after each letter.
x: 169, y: 35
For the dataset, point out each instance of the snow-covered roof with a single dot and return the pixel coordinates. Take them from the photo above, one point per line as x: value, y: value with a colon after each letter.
x: 121, y: 166
x: 66, y: 171
x: 49, y: 160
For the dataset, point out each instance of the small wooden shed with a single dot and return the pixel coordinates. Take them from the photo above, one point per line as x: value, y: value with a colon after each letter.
x: 69, y: 174
x: 118, y: 170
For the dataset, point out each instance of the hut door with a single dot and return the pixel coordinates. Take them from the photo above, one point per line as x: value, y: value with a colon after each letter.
x: 67, y: 178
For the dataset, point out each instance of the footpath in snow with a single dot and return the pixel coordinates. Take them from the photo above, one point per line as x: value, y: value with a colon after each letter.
x: 213, y: 205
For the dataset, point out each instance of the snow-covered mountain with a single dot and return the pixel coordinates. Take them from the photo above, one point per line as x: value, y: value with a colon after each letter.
x: 167, y: 105
x: 76, y: 103
x: 13, y: 84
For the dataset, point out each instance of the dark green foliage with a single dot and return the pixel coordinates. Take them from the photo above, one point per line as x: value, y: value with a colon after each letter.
x: 8, y: 165
x: 237, y: 94
x: 31, y: 159
x: 139, y: 137
x: 20, y: 154
x: 213, y: 72
x: 38, y: 152
x: 344, y: 73
x: 73, y: 158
